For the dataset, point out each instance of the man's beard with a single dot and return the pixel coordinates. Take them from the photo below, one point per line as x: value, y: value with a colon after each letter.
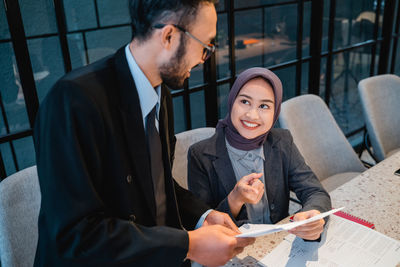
x: 171, y: 73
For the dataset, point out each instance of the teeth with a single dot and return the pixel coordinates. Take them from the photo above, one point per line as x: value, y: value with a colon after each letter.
x: 248, y: 124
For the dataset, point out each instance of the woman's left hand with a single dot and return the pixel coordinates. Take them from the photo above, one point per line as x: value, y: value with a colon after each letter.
x: 309, y: 231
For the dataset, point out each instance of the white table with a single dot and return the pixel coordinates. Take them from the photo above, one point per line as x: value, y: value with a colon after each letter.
x: 373, y: 195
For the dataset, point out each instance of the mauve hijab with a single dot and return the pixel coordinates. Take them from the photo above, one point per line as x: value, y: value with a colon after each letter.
x: 232, y: 135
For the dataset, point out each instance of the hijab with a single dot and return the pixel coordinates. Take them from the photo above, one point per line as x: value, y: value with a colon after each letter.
x: 232, y: 135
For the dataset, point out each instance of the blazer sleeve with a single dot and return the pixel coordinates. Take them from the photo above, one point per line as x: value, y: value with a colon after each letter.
x: 70, y: 139
x: 305, y: 183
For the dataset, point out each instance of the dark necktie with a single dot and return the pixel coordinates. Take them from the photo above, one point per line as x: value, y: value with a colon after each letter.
x: 157, y: 168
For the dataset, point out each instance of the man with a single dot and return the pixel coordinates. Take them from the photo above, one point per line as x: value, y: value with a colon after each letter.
x: 104, y: 143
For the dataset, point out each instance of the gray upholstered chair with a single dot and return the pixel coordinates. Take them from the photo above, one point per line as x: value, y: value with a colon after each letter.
x: 380, y: 98
x: 19, y: 210
x: 183, y: 141
x: 320, y: 140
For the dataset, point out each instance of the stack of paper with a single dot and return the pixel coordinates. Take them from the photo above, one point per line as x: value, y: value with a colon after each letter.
x: 255, y: 230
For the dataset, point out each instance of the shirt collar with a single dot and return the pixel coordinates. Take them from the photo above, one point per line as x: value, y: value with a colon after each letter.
x: 241, y: 154
x: 148, y: 97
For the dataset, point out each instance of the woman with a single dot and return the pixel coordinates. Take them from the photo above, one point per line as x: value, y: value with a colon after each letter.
x: 247, y: 168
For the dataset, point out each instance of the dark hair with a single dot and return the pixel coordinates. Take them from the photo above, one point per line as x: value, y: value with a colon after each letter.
x: 145, y: 13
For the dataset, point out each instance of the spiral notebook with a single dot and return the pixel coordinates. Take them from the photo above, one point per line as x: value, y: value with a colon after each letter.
x: 354, y: 219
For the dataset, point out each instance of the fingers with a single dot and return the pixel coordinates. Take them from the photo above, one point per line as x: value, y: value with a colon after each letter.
x: 245, y: 241
x: 310, y: 235
x: 248, y: 179
x: 238, y: 250
x: 311, y: 226
x: 305, y: 215
x: 230, y: 224
x: 227, y: 231
x: 310, y: 231
x: 258, y: 184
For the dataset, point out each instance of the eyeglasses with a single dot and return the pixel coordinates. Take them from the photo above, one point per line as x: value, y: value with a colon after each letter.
x: 208, y: 48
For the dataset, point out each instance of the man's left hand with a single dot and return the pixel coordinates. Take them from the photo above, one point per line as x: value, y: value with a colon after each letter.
x: 309, y: 231
x: 216, y: 217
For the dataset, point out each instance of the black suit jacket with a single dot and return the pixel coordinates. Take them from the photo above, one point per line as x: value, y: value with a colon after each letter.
x: 211, y: 176
x: 98, y: 206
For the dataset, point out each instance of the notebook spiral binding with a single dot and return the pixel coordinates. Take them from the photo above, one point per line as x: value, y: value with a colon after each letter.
x: 356, y: 219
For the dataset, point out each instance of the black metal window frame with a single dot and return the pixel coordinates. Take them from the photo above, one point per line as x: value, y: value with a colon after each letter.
x: 388, y: 37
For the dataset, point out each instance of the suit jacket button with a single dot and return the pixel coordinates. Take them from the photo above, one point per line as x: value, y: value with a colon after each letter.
x: 272, y: 206
x: 132, y: 218
x: 129, y: 179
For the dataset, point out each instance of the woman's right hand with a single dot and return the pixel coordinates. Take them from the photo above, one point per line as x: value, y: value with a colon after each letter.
x: 249, y: 189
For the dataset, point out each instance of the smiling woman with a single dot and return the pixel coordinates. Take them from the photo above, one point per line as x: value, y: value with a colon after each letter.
x: 248, y: 168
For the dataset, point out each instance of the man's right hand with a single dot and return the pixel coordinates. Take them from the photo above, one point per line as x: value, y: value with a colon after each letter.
x: 215, y: 245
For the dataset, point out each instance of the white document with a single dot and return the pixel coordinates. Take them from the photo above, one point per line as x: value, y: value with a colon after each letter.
x: 255, y: 230
x: 344, y: 243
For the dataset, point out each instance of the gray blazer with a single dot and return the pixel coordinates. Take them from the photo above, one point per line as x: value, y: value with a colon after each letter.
x: 211, y: 176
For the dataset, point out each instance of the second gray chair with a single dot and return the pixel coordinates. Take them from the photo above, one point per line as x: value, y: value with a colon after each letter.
x: 183, y: 141
x: 320, y: 140
x: 380, y: 98
x: 19, y: 211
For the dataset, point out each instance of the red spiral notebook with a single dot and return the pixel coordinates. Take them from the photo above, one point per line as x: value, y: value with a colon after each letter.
x: 354, y: 219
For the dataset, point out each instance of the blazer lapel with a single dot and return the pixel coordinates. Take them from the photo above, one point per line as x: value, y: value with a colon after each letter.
x: 132, y: 121
x: 270, y: 164
x: 222, y: 163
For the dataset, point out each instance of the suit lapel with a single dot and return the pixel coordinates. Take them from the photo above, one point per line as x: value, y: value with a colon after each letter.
x: 270, y: 164
x: 132, y: 121
x: 222, y: 163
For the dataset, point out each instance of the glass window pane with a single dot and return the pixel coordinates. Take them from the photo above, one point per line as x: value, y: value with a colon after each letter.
x: 220, y: 6
x: 113, y: 12
x: 304, y: 78
x: 222, y: 43
x: 248, y: 44
x: 197, y: 109
x: 306, y: 29
x: 11, y: 92
x: 349, y: 68
x: 377, y: 53
x: 222, y: 94
x: 325, y: 26
x: 196, y: 76
x: 25, y: 152
x: 4, y: 32
x: 179, y: 114
x: 266, y: 37
x: 47, y: 63
x: 322, y: 81
x: 102, y: 43
x: 38, y: 16
x: 288, y: 78
x: 76, y: 50
x: 381, y: 15
x: 354, y: 22
x: 397, y: 61
x: 80, y: 14
x: 250, y: 3
x: 8, y: 160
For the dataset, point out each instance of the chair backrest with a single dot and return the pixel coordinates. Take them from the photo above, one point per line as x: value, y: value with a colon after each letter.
x: 19, y: 211
x: 183, y: 141
x: 318, y: 137
x: 380, y: 98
